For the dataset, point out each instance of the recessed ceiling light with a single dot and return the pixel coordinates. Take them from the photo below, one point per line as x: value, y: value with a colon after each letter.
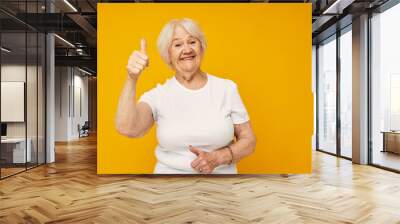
x: 70, y: 5
x: 5, y: 50
x: 64, y: 40
x: 84, y: 71
x: 337, y: 7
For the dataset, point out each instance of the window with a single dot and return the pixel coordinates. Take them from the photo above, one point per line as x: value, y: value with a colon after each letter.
x: 385, y: 88
x: 346, y: 93
x: 22, y: 65
x: 327, y: 95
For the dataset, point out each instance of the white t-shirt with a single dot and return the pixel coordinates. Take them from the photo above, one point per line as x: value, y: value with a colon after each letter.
x: 202, y: 118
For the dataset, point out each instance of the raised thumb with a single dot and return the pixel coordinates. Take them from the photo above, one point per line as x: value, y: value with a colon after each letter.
x: 143, y: 45
x: 194, y: 150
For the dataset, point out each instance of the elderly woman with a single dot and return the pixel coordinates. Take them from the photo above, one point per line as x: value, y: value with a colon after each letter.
x: 198, y: 115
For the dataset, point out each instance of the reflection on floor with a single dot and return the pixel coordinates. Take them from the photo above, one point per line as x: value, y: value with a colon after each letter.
x: 70, y: 191
x: 387, y: 159
x: 13, y: 169
x: 346, y: 152
x: 10, y: 171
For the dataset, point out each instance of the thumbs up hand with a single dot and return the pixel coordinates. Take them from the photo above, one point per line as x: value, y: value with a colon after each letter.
x: 138, y: 61
x: 205, y: 162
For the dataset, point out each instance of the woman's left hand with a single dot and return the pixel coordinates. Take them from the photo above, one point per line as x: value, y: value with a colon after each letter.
x: 205, y: 162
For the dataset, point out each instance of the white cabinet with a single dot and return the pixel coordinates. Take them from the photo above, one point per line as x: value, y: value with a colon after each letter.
x: 17, y: 146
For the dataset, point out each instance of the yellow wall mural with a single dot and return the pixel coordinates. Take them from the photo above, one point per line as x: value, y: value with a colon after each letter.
x: 264, y: 48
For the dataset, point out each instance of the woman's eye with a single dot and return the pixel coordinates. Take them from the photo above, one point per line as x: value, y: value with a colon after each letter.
x: 192, y: 42
x: 177, y: 45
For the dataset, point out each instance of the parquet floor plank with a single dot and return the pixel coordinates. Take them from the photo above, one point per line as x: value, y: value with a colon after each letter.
x: 70, y: 191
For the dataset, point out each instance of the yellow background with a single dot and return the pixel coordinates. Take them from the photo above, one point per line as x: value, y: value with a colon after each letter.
x: 264, y: 48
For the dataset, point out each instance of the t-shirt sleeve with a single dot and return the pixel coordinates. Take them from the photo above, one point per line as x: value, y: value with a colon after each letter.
x: 239, y: 113
x: 152, y: 98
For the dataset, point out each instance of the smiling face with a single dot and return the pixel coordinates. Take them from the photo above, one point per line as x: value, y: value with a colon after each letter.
x: 185, y: 52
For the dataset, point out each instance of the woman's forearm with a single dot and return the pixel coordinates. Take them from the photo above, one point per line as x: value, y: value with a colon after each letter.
x: 127, y: 115
x: 128, y: 121
x: 242, y: 147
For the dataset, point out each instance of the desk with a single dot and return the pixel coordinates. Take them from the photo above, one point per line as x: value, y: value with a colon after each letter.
x: 15, y: 148
x: 391, y: 141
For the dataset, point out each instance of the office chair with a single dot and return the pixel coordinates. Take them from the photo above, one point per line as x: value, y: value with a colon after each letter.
x: 84, y: 130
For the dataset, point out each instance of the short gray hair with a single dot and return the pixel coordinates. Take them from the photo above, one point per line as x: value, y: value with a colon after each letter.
x: 165, y: 37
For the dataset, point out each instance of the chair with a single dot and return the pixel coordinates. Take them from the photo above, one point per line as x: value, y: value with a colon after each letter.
x: 84, y: 130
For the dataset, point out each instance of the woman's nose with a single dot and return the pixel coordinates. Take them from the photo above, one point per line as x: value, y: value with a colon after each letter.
x: 187, y: 48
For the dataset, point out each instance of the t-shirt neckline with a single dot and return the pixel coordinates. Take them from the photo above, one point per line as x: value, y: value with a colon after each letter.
x: 193, y: 90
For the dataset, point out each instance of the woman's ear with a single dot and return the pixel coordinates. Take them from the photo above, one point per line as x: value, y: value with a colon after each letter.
x: 170, y: 65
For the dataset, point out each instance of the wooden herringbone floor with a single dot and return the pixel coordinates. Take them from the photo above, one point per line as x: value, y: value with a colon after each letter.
x: 69, y: 191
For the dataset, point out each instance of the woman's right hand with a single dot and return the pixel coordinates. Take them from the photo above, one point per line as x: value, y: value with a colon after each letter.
x: 138, y: 61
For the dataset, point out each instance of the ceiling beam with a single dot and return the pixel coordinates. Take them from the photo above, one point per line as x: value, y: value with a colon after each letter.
x: 83, y: 61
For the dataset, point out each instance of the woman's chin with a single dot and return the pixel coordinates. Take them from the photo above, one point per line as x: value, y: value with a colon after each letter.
x: 189, y: 70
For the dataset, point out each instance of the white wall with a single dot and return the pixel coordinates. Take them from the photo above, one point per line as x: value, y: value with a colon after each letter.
x: 80, y: 84
x: 61, y: 103
x: 71, y: 93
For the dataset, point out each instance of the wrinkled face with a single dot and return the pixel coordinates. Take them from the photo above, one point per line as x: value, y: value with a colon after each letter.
x: 185, y: 51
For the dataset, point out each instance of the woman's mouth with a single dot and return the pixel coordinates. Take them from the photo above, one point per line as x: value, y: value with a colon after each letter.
x: 188, y: 58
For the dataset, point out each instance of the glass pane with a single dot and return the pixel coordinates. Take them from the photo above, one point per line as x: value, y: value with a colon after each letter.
x: 314, y: 78
x: 386, y: 89
x: 327, y: 96
x: 23, y: 88
x: 31, y: 97
x: 346, y: 94
x: 41, y: 98
x: 13, y: 88
x: 31, y: 86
